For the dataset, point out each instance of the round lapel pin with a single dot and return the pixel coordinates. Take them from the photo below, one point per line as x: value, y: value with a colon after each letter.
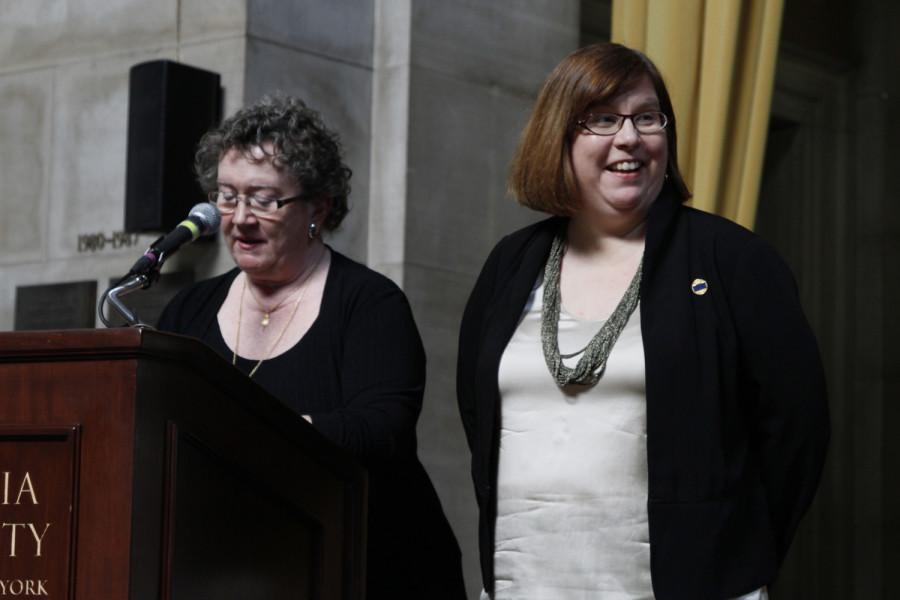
x: 699, y: 286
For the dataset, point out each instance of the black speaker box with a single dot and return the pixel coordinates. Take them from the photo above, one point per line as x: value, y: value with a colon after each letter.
x: 170, y: 107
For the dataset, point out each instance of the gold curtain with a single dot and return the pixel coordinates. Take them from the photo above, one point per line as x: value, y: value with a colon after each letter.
x: 718, y: 60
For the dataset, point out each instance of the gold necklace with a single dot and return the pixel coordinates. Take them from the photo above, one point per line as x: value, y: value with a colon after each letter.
x: 267, y: 314
x: 237, y: 341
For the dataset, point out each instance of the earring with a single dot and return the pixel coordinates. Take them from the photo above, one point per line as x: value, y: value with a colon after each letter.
x: 313, y: 230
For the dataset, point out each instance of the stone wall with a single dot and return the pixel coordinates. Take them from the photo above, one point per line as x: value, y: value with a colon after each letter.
x: 431, y: 93
x: 63, y: 121
x: 475, y: 70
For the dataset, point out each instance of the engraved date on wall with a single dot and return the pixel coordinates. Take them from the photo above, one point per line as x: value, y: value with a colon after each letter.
x: 96, y: 242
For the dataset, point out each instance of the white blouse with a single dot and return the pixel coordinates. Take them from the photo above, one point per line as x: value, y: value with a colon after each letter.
x: 572, y: 476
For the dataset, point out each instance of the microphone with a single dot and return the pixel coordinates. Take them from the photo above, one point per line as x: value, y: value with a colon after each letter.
x: 204, y: 219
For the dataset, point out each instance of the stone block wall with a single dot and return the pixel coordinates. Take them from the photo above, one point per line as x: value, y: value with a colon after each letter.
x: 428, y: 97
x: 475, y: 69
x: 64, y: 112
x: 63, y: 122
x: 321, y: 52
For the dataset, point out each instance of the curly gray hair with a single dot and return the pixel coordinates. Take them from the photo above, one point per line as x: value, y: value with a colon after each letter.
x: 301, y: 145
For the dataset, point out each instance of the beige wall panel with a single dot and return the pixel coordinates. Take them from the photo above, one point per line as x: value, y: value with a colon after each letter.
x: 209, y: 19
x: 477, y: 66
x: 342, y: 93
x: 31, y: 31
x: 438, y: 297
x: 48, y: 31
x: 24, y: 163
x: 510, y: 44
x: 389, y: 168
x: 225, y: 57
x: 507, y: 215
x: 460, y: 143
x: 90, y: 126
x: 338, y: 29
x: 462, y: 135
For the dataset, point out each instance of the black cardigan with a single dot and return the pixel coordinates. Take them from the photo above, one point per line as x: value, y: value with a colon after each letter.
x: 359, y: 371
x: 737, y: 419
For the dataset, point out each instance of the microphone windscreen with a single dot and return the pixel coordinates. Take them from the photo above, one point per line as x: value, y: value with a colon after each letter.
x: 209, y: 217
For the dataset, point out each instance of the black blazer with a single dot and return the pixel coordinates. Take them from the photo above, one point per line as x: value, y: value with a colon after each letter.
x: 359, y: 371
x: 737, y: 419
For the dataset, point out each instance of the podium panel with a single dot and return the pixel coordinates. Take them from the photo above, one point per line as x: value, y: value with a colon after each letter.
x: 38, y: 482
x: 140, y: 465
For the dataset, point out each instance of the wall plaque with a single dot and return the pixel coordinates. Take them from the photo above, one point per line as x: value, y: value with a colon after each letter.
x: 38, y: 479
x: 56, y: 305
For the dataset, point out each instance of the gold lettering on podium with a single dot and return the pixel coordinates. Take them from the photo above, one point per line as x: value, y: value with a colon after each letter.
x: 38, y: 538
x: 12, y: 536
x: 23, y: 587
x: 25, y: 487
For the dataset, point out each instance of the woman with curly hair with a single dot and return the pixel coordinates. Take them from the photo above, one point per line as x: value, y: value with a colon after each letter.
x: 326, y: 335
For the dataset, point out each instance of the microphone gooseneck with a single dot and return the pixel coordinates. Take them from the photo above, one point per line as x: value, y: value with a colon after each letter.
x: 203, y: 219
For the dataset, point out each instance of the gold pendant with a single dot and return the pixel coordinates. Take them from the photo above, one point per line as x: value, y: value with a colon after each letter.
x: 265, y: 320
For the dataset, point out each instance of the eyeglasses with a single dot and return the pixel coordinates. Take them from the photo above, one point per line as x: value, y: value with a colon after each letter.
x: 261, y: 206
x: 610, y: 123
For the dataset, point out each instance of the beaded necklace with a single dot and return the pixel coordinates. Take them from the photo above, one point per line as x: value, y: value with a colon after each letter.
x: 592, y: 363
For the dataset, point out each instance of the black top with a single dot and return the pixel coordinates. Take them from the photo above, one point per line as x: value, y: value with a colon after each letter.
x: 359, y: 372
x: 737, y: 419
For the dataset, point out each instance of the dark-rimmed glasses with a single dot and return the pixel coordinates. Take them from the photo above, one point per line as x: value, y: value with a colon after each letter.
x: 652, y: 121
x: 261, y: 206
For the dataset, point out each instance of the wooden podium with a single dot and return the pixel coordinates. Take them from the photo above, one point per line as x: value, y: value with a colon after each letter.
x: 140, y: 465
